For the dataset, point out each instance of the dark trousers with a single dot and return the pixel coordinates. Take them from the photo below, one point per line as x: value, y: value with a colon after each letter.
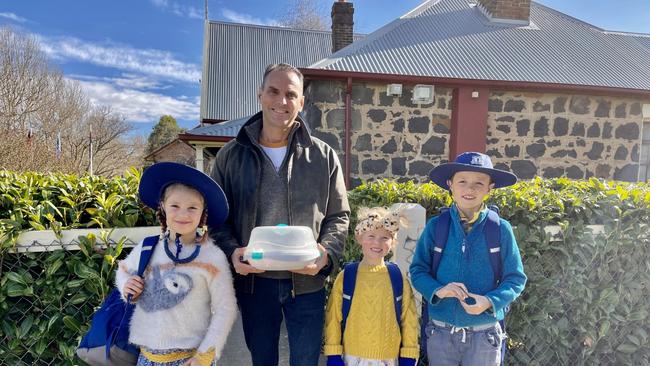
x: 262, y: 312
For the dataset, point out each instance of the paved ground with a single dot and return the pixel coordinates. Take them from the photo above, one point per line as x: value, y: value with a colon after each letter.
x: 236, y: 354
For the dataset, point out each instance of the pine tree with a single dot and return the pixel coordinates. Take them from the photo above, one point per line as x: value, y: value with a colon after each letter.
x: 165, y: 131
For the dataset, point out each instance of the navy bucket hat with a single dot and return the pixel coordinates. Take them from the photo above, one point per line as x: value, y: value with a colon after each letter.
x: 159, y: 176
x: 471, y: 162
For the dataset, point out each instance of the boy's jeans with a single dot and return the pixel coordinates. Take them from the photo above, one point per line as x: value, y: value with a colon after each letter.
x: 461, y: 346
x: 262, y: 313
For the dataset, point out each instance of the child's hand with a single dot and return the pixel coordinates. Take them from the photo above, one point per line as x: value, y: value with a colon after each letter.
x: 482, y: 304
x: 192, y: 362
x: 335, y: 360
x: 453, y: 289
x: 134, y: 287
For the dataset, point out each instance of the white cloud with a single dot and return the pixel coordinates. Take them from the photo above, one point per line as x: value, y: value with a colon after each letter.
x: 179, y: 9
x: 13, y: 17
x: 236, y: 17
x: 126, y: 80
x: 137, y: 106
x: 150, y: 62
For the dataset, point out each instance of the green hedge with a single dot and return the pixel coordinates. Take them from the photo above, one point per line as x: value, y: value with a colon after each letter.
x: 37, y: 201
x: 585, y: 302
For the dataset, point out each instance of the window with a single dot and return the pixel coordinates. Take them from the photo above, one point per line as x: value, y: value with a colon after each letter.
x: 644, y: 163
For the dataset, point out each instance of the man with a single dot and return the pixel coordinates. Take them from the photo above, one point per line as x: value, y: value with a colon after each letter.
x: 273, y: 173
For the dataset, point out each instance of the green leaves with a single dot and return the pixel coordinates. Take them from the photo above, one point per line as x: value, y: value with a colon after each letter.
x: 36, y: 201
x: 16, y: 284
x: 47, y: 300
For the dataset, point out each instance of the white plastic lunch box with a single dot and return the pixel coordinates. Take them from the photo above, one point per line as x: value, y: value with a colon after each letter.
x: 281, y: 248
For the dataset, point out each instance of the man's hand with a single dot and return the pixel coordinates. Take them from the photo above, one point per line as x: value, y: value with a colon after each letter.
x: 482, y: 304
x: 134, y: 287
x: 242, y: 268
x: 314, y: 268
x: 453, y: 289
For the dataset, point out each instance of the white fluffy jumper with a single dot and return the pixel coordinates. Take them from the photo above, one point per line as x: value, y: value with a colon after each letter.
x: 183, y: 306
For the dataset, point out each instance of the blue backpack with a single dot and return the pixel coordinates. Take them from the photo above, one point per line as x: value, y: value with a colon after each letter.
x: 492, y: 231
x: 107, y: 340
x: 350, y: 279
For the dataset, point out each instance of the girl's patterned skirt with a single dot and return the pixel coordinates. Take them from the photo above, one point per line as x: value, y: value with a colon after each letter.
x: 168, y: 357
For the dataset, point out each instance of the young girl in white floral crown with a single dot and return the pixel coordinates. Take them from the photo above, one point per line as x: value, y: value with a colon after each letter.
x: 372, y: 335
x: 185, y: 302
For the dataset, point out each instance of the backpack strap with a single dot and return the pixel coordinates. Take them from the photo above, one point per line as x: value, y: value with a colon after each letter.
x: 148, y: 245
x: 440, y: 239
x: 493, y: 239
x: 349, y: 280
x: 439, y: 242
x: 397, y: 283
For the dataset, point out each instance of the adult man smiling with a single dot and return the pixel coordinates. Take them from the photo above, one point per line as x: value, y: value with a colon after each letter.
x: 275, y: 172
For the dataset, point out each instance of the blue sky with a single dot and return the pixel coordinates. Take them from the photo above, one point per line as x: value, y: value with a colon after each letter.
x: 143, y: 57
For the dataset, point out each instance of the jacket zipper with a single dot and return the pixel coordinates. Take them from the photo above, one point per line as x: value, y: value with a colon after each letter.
x: 289, y: 216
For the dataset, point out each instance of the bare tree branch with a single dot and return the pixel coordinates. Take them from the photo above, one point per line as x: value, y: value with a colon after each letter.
x: 306, y: 14
x: 35, y: 95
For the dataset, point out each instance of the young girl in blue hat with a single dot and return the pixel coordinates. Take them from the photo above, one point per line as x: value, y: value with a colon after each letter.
x: 185, y: 304
x: 464, y: 305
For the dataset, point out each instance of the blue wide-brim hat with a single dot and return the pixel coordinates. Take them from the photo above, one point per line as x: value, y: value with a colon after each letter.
x: 160, y: 175
x: 471, y: 162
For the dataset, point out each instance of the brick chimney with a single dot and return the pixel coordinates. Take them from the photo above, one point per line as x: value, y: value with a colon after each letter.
x: 342, y: 23
x: 509, y: 11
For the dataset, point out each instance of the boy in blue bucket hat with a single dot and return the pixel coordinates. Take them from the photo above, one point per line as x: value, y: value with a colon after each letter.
x: 467, y: 266
x: 185, y: 302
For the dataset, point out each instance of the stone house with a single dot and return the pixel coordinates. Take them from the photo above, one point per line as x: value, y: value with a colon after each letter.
x: 541, y: 92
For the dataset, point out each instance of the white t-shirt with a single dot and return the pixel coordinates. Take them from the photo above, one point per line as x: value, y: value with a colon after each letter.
x: 276, y: 154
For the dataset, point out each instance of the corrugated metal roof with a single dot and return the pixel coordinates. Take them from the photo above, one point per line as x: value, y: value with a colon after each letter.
x: 235, y: 56
x: 454, y: 39
x: 228, y: 128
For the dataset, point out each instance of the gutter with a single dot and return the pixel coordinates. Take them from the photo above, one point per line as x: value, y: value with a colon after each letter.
x: 189, y: 137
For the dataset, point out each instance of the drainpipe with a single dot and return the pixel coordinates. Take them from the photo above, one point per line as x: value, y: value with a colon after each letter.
x: 348, y: 128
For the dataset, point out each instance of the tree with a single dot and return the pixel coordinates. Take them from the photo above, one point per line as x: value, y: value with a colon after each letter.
x: 164, y: 132
x: 306, y: 14
x: 37, y: 100
x: 26, y: 80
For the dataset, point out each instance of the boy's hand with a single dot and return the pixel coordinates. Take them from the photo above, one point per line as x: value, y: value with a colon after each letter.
x: 453, y: 289
x: 314, y: 268
x: 243, y: 268
x: 134, y: 287
x: 482, y: 304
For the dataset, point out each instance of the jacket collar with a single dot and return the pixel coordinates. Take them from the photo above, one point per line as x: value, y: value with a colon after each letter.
x: 456, y: 215
x: 301, y: 135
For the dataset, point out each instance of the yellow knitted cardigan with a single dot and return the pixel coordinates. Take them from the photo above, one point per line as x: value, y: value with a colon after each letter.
x: 371, y: 329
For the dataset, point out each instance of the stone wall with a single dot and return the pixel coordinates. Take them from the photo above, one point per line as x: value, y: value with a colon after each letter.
x: 390, y: 137
x: 553, y: 135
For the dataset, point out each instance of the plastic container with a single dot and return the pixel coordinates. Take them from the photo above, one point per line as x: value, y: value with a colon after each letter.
x: 281, y: 248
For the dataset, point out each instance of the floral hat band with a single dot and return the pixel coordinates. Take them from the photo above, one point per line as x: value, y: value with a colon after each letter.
x: 377, y: 218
